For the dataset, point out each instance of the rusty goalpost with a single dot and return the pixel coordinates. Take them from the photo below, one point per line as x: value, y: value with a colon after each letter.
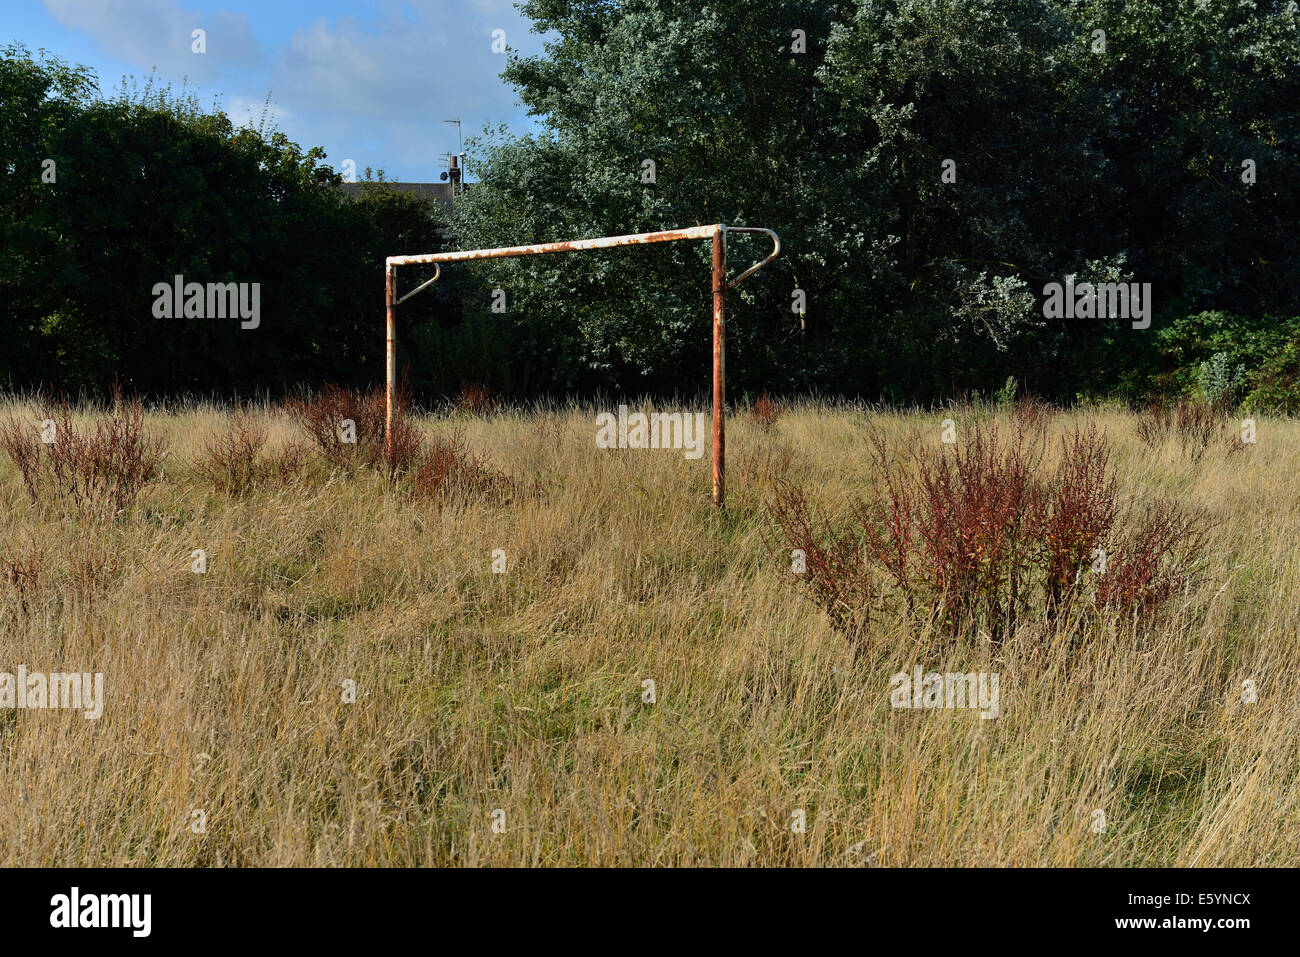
x: 717, y: 232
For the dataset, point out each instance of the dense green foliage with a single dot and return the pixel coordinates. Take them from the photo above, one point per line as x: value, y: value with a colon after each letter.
x: 1107, y: 158
x: 1122, y: 163
x: 147, y: 186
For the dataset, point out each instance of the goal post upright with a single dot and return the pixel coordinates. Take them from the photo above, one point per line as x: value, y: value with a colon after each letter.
x: 719, y: 366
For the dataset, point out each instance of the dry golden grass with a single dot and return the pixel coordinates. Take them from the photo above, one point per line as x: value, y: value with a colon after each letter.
x: 523, y: 691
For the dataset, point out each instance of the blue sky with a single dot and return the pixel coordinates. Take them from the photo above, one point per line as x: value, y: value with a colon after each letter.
x: 369, y: 81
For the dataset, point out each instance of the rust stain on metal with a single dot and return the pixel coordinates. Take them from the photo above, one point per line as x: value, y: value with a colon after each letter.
x: 717, y: 232
x: 719, y: 367
x: 390, y: 352
x: 568, y: 246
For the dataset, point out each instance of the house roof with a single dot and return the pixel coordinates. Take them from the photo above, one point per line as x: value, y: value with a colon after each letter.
x: 433, y: 193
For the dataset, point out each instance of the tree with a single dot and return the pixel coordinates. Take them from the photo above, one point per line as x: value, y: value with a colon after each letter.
x: 929, y: 164
x: 149, y: 186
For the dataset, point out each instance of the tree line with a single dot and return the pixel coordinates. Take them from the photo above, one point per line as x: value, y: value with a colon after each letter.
x: 933, y: 168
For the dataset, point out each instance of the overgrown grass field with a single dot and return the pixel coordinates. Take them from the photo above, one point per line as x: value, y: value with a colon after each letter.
x: 524, y: 691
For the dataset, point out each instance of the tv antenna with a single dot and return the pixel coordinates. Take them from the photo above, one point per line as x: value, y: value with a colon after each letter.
x: 460, y: 146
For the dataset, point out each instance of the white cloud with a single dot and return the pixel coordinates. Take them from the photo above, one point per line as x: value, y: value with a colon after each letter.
x: 373, y: 88
x: 401, y: 64
x: 402, y: 75
x: 158, y: 33
x: 244, y: 110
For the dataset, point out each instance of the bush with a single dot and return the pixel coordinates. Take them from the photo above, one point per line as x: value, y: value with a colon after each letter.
x: 972, y: 517
x: 151, y: 148
x: 96, y: 472
x: 982, y: 535
x: 448, y: 469
x: 231, y: 455
x: 1075, y: 514
x: 1275, y: 385
x: 764, y: 412
x: 1031, y: 413
x: 23, y: 571
x: 834, y: 572
x: 347, y: 427
x: 475, y: 398
x: 1220, y: 381
x: 1221, y: 359
x: 1154, y: 559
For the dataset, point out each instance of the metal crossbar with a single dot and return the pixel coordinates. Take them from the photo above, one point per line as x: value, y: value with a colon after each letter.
x: 717, y: 232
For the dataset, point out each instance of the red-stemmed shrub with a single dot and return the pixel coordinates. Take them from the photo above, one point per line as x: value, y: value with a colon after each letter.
x: 348, y: 428
x: 764, y: 412
x: 448, y: 470
x: 832, y: 566
x: 94, y: 472
x: 981, y: 534
x: 231, y: 457
x: 1075, y: 514
x: 476, y: 398
x: 1155, y: 559
x: 23, y: 571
